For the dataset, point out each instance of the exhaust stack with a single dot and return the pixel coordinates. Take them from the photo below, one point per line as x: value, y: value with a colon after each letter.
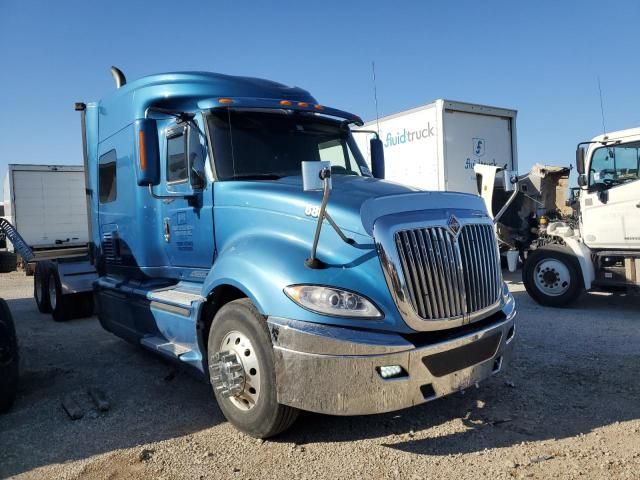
x: 118, y: 76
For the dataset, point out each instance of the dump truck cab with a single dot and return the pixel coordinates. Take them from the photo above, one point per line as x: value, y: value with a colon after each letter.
x: 599, y: 248
x: 237, y: 229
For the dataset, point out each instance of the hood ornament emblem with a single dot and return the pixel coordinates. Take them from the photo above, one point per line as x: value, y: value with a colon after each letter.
x: 453, y: 224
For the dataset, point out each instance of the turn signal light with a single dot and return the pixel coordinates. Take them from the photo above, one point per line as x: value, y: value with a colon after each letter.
x: 143, y: 151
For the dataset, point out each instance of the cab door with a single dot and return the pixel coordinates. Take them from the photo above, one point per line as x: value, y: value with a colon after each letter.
x: 187, y: 214
x: 610, y: 207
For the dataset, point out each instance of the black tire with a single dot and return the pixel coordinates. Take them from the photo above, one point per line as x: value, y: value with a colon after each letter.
x: 41, y: 287
x: 266, y: 417
x: 545, y: 280
x: 8, y: 358
x: 8, y: 262
x: 61, y: 305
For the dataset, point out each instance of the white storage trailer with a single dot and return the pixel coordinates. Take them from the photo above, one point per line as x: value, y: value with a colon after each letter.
x: 47, y: 205
x: 435, y: 146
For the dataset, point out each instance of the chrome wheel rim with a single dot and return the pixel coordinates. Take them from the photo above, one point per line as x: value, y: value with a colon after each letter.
x: 234, y: 371
x: 52, y: 292
x: 552, y: 277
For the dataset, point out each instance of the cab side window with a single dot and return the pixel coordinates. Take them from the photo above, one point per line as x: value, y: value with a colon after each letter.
x: 107, y: 187
x: 177, y: 168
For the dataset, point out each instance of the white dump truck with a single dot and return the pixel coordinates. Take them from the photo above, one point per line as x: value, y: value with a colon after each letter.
x: 47, y: 205
x: 599, y: 246
x: 435, y: 146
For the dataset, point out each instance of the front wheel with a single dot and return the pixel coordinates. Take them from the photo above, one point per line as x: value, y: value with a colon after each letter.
x: 552, y: 276
x: 242, y: 371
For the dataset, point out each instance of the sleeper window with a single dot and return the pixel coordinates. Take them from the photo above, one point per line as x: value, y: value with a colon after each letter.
x: 107, y: 177
x: 176, y: 158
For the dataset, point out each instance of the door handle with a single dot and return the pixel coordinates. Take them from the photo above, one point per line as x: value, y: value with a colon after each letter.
x: 167, y: 229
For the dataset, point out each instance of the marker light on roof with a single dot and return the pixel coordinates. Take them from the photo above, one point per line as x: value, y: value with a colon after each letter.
x: 318, y: 107
x: 286, y: 103
x: 225, y: 101
x: 303, y: 104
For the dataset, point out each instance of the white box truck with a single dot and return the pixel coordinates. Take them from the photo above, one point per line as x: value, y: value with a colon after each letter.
x: 435, y: 146
x: 47, y: 205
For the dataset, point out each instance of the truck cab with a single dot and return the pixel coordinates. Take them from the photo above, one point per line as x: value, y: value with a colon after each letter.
x: 601, y: 251
x: 610, y: 196
x: 359, y: 296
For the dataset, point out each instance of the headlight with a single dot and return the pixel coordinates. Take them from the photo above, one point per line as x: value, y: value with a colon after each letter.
x: 332, y: 301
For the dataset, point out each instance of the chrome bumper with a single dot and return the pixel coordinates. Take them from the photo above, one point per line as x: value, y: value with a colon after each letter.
x: 335, y: 370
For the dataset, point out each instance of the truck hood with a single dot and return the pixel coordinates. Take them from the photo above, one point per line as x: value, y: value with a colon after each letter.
x: 355, y: 202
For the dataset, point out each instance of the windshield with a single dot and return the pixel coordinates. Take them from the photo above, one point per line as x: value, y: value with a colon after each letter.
x: 261, y: 145
x: 615, y: 164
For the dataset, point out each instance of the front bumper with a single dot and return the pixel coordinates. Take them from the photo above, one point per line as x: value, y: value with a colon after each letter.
x: 335, y: 370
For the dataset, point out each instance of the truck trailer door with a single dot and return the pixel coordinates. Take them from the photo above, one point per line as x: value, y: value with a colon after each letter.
x: 471, y: 138
x: 187, y: 222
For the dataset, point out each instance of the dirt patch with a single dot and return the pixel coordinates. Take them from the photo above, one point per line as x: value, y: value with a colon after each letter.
x: 566, y: 407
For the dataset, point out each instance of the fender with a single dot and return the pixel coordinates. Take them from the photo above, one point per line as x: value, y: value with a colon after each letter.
x: 563, y: 231
x: 263, y: 263
x: 583, y: 254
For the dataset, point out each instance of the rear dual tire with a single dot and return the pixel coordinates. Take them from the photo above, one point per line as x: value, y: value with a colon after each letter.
x: 238, y: 327
x: 47, y: 292
x: 41, y: 287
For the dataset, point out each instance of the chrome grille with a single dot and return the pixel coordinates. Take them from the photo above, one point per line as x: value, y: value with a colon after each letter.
x: 449, y: 277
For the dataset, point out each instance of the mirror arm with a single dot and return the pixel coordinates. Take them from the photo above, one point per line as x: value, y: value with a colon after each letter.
x: 162, y: 197
x: 312, y: 261
x: 338, y: 230
x: 367, y: 131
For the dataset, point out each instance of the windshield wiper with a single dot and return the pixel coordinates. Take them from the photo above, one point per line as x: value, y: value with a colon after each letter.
x: 257, y: 176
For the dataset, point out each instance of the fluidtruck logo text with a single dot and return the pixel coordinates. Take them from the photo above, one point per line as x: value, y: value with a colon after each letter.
x: 408, y: 136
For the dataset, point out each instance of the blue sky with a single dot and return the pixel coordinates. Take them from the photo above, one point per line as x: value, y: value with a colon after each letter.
x: 542, y: 58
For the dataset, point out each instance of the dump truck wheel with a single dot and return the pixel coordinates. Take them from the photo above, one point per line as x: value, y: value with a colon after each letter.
x: 552, y: 276
x: 242, y: 371
x: 8, y: 358
x: 8, y: 262
x: 41, y: 287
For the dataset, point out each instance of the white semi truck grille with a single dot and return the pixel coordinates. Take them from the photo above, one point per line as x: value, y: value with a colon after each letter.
x: 449, y: 276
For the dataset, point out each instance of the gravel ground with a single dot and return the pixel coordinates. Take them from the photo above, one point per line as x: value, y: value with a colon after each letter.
x: 567, y: 407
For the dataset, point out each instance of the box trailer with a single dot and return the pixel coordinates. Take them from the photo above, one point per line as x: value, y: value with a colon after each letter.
x: 47, y: 205
x: 435, y: 146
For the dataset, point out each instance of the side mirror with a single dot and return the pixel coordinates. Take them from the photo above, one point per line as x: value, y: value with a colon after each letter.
x: 313, y: 177
x: 582, y: 180
x: 580, y: 160
x: 147, y: 152
x: 377, y: 158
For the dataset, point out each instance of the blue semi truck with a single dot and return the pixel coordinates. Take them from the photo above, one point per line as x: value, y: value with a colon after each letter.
x: 236, y: 228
